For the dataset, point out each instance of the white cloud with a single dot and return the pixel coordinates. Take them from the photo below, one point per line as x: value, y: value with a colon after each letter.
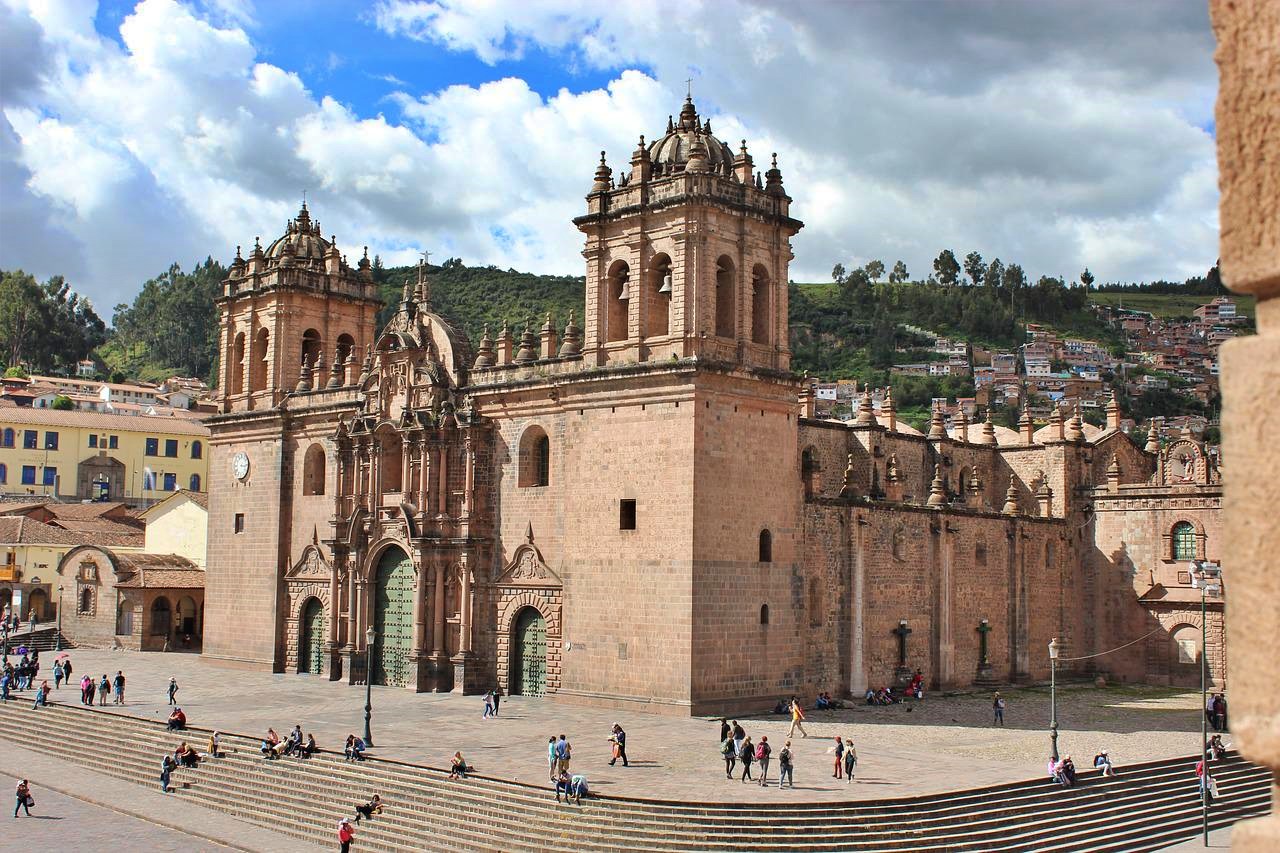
x: 1053, y: 137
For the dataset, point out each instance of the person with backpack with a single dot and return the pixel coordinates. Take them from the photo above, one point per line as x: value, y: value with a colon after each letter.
x: 786, y: 766
x: 746, y: 756
x: 763, y: 751
x: 730, y: 754
x: 104, y: 688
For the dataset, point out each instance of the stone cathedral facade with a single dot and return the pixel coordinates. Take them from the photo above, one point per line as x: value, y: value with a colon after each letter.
x: 642, y: 510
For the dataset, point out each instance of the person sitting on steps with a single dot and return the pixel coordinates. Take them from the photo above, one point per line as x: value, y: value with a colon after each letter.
x: 458, y: 768
x: 369, y: 809
x: 177, y: 720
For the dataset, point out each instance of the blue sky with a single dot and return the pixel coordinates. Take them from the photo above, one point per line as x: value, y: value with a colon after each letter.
x: 1056, y: 134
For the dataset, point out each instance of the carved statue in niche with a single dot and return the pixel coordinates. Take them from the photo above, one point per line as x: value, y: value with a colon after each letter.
x: 898, y: 541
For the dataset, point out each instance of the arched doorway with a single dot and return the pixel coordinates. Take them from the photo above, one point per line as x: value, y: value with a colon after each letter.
x: 393, y: 619
x: 124, y: 618
x: 39, y: 602
x: 529, y: 654
x: 188, y: 622
x: 161, y: 621
x: 311, y: 637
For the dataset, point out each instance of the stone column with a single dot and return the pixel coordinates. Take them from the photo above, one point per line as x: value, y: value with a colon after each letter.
x: 442, y: 484
x: 1248, y: 114
x: 437, y: 632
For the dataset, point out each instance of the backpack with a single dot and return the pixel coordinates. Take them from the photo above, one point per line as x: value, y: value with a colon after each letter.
x: 726, y: 748
x: 763, y: 750
x: 784, y: 757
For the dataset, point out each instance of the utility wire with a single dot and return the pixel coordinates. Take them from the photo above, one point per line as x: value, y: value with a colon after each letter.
x: 1116, y: 649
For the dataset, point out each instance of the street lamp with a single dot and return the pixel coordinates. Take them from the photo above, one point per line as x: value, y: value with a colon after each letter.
x: 369, y: 636
x: 1206, y: 577
x: 1053, y: 696
x: 57, y: 637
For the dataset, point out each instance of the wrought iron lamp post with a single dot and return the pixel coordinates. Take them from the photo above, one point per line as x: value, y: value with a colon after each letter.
x: 1206, y: 577
x: 1053, y: 696
x: 369, y: 636
x: 57, y: 637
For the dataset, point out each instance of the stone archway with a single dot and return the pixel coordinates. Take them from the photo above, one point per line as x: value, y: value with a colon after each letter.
x: 393, y: 619
x: 529, y: 653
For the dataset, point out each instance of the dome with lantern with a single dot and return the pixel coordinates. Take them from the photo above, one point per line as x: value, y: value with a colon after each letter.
x: 689, y: 144
x: 301, y: 244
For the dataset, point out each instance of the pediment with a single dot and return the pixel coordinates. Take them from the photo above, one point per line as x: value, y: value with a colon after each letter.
x: 527, y: 568
x: 312, y: 565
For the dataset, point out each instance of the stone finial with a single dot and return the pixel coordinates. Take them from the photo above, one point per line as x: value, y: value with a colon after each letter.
x: 1011, y: 498
x: 604, y: 176
x: 1113, y: 411
x: 988, y: 437
x: 1026, y: 426
x: 1056, y: 425
x: 698, y: 161
x: 349, y: 374
x: 422, y: 292
x: 847, y: 487
x: 1044, y: 498
x: 975, y: 482
x: 866, y: 415
x: 1075, y: 427
x: 937, y: 491
x: 484, y: 355
x: 641, y: 163
x: 888, y: 411
x: 743, y: 167
x: 891, y: 472
x: 1153, y: 438
x: 528, y: 351
x: 572, y: 340
x: 335, y: 374
x: 937, y: 426
x: 547, y: 339
x: 773, y: 178
x: 1113, y: 470
x: 504, y: 344
x: 962, y: 425
x: 304, y: 378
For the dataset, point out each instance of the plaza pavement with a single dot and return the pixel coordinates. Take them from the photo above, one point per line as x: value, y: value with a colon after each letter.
x: 942, y: 743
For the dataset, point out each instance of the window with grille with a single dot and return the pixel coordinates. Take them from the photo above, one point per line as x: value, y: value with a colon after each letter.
x: 1184, y: 541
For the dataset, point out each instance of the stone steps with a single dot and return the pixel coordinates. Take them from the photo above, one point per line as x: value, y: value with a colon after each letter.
x: 305, y: 799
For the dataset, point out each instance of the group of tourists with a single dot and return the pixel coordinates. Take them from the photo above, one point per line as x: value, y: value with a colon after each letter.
x: 1215, y: 711
x: 346, y: 827
x: 353, y: 749
x: 102, y: 688
x: 737, y: 747
x: 492, y: 699
x: 186, y: 755
x: 22, y: 677
x: 295, y: 744
x: 1063, y: 771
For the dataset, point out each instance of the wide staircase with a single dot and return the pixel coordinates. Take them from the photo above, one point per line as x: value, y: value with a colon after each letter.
x: 44, y: 638
x: 1146, y: 807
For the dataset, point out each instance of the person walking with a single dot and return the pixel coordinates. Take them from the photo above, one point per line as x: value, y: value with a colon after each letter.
x: 619, y: 740
x: 746, y: 756
x: 104, y: 690
x: 786, y: 766
x: 997, y: 710
x: 345, y: 835
x: 42, y: 695
x: 763, y: 751
x: 488, y: 705
x: 564, y: 753
x: 87, y: 690
x: 838, y: 751
x: 23, y: 798
x: 797, y: 719
x: 850, y: 760
x: 166, y: 770
x: 497, y: 699
x: 57, y: 675
x: 173, y: 690
x: 725, y: 729
x: 119, y: 687
x: 730, y: 753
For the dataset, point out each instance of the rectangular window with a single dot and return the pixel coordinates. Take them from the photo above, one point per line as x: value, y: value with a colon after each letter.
x: 93, y: 440
x: 50, y: 441
x: 627, y: 514
x: 28, y: 475
x: 113, y: 442
x: 170, y: 482
x: 50, y: 476
x: 30, y: 439
x: 171, y: 447
x: 153, y: 447
x: 239, y: 522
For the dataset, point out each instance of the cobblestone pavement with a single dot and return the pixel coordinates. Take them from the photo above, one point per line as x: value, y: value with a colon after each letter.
x: 942, y: 743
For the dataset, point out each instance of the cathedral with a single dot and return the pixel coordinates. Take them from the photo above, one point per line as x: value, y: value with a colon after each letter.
x: 642, y: 511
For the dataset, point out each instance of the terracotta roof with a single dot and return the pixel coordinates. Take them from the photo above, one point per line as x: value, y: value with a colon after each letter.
x: 200, y: 499
x: 20, y: 530
x: 158, y: 571
x: 94, y: 509
x: 102, y: 532
x: 103, y: 420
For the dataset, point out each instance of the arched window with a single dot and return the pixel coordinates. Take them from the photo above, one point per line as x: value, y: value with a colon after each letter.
x: 197, y: 450
x: 534, y: 458
x: 726, y: 309
x: 1186, y: 638
x: 761, y: 306
x: 160, y: 617
x: 258, y: 361
x: 7, y: 437
x: 659, y: 294
x: 194, y: 484
x: 1184, y: 541
x: 313, y: 471
x: 766, y: 546
x: 618, y: 299
x: 237, y: 365
x: 310, y: 350
x: 390, y: 460
x: 764, y: 614
x: 86, y: 600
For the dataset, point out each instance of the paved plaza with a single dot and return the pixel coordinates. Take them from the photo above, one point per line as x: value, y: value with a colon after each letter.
x: 943, y: 743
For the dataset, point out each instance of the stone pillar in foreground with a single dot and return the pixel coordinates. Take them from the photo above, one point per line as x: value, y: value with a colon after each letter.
x: 1248, y: 128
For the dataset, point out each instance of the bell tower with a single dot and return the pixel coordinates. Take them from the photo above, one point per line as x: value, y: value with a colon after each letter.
x: 293, y: 317
x: 687, y: 254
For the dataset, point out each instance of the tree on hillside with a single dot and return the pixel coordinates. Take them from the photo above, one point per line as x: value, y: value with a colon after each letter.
x: 1086, y: 278
x: 994, y: 275
x: 49, y: 325
x: 974, y: 267
x: 19, y: 310
x: 837, y: 273
x: 173, y: 319
x: 946, y: 268
x: 874, y: 269
x: 1014, y: 278
x: 899, y: 274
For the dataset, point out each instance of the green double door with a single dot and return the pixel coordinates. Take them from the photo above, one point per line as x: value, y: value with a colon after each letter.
x: 393, y: 620
x: 311, y: 643
x: 529, y: 647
